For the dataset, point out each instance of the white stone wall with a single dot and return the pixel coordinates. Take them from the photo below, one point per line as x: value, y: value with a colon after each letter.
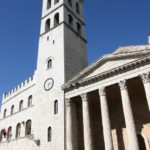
x: 18, y: 116
x: 75, y: 54
x: 68, y: 54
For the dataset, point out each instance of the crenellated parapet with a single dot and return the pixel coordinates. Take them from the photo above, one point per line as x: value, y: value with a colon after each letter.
x: 22, y: 86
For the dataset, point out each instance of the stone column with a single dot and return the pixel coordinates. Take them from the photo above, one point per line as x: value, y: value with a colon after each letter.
x: 86, y: 123
x: 131, y: 130
x: 69, y: 136
x: 146, y: 81
x: 105, y: 120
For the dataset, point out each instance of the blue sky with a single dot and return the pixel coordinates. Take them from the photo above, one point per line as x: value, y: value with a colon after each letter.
x: 109, y: 24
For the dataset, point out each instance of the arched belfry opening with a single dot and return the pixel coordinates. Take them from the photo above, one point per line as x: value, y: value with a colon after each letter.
x: 47, y: 25
x: 77, y: 8
x: 70, y: 2
x: 78, y: 28
x: 56, y: 19
x: 48, y: 4
x: 70, y: 20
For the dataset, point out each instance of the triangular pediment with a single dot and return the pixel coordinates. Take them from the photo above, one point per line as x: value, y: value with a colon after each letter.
x: 108, y: 65
x: 120, y: 57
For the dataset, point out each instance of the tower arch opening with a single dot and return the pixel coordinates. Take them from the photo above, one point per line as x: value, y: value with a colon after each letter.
x: 56, y: 1
x: 48, y: 4
x: 70, y: 20
x: 47, y: 25
x: 56, y: 19
x: 78, y: 28
x: 77, y: 8
x: 70, y: 2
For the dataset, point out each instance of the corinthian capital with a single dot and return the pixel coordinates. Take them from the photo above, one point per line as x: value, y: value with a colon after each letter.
x: 102, y: 91
x: 145, y: 77
x: 84, y: 97
x: 68, y: 101
x: 123, y: 85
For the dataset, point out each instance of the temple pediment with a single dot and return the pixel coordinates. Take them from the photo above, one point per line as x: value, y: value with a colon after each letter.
x: 108, y: 65
x: 122, y: 56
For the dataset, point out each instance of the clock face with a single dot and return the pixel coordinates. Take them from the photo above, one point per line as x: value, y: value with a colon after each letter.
x: 48, y: 84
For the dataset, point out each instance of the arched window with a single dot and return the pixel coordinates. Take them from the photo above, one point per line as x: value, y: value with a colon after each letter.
x: 56, y: 107
x: 49, y: 134
x: 56, y: 1
x: 70, y: 20
x: 28, y: 128
x: 49, y: 64
x: 3, y: 133
x: 30, y: 101
x: 21, y: 105
x: 48, y: 4
x: 79, y: 28
x: 70, y: 2
x: 9, y: 134
x: 12, y: 110
x: 5, y: 112
x: 47, y: 25
x: 56, y: 19
x: 18, y: 130
x: 77, y: 8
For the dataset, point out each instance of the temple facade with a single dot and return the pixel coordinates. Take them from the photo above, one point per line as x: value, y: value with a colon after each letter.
x: 108, y: 103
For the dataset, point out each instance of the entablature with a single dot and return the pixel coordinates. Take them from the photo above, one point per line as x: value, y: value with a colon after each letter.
x: 111, y: 77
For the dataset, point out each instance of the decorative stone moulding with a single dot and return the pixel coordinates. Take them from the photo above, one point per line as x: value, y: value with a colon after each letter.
x: 110, y: 73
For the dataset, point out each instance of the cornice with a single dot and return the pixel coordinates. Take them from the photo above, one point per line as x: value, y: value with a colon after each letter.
x: 63, y: 22
x: 118, y: 70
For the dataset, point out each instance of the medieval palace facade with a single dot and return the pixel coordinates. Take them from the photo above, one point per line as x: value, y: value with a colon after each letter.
x: 68, y: 105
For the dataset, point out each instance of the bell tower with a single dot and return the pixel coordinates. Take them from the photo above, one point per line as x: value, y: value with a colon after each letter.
x: 62, y: 38
x: 62, y: 54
